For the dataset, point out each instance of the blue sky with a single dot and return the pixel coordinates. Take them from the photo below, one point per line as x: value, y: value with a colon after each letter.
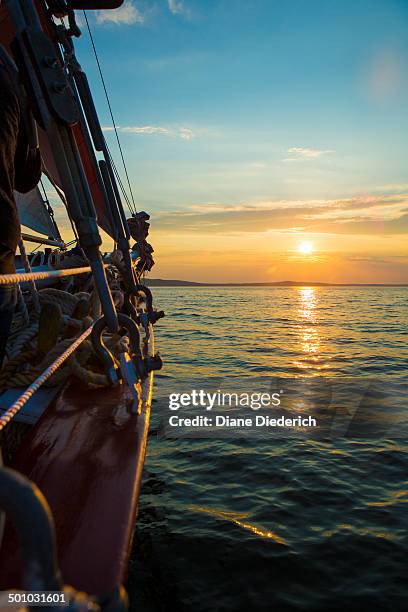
x: 230, y: 107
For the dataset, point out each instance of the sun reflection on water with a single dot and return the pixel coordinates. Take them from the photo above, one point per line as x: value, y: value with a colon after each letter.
x: 236, y: 518
x: 309, y: 336
x: 307, y: 303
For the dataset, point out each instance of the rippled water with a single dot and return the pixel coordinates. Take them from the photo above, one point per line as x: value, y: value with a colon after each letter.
x: 277, y: 523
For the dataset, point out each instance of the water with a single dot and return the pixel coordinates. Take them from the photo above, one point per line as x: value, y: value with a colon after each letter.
x: 277, y: 523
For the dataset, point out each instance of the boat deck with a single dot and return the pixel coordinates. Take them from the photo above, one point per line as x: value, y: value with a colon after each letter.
x: 86, y: 455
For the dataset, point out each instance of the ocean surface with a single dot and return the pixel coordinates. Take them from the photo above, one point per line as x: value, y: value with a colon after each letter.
x: 290, y: 520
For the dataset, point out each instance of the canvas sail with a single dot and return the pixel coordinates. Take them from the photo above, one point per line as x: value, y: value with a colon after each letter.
x: 33, y: 214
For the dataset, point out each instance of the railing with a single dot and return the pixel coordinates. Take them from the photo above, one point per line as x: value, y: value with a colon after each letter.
x: 12, y: 279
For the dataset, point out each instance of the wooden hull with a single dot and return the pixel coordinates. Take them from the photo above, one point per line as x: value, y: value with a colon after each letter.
x: 86, y: 455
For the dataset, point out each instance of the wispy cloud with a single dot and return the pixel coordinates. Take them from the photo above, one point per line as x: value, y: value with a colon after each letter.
x: 186, y: 133
x: 305, y: 154
x: 146, y: 130
x: 391, y: 188
x: 177, y: 7
x: 385, y: 215
x: 127, y: 14
x: 258, y: 165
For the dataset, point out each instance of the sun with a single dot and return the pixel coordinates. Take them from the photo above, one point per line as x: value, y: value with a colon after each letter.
x: 305, y: 247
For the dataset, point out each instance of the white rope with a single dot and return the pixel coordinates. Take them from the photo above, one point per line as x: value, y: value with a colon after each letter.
x: 11, y: 279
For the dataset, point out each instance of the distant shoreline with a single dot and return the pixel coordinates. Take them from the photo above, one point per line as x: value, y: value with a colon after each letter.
x: 160, y: 282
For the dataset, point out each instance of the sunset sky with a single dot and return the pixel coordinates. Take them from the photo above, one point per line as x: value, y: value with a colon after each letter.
x: 252, y: 127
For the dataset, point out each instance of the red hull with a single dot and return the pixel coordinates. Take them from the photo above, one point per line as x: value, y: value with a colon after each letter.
x: 86, y: 455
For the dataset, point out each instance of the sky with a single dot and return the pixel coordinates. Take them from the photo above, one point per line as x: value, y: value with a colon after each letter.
x: 251, y: 127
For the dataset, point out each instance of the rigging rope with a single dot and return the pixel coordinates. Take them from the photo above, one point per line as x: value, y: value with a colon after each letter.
x: 61, y: 195
x: 119, y: 180
x: 133, y: 206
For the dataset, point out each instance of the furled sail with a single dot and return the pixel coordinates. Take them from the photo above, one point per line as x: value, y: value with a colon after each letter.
x: 104, y: 217
x: 34, y: 214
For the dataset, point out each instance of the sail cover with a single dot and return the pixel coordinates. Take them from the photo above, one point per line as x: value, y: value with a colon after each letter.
x: 33, y: 213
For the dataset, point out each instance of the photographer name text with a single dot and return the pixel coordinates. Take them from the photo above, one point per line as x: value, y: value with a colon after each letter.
x: 201, y: 421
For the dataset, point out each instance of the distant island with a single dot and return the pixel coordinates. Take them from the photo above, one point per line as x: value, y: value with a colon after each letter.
x: 161, y: 282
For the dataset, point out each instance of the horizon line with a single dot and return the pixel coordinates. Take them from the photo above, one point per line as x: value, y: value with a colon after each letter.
x: 287, y: 283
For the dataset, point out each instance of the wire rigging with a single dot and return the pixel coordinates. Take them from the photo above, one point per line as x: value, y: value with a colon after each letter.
x: 49, y: 207
x: 119, y: 180
x: 132, y: 205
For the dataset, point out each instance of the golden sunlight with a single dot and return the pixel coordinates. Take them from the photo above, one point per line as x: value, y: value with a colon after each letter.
x: 305, y: 248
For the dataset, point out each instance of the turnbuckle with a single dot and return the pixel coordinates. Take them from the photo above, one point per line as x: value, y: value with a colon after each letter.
x: 133, y: 367
x: 151, y: 315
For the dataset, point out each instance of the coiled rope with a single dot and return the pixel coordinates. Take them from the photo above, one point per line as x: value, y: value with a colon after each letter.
x: 29, y: 392
x: 27, y: 366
